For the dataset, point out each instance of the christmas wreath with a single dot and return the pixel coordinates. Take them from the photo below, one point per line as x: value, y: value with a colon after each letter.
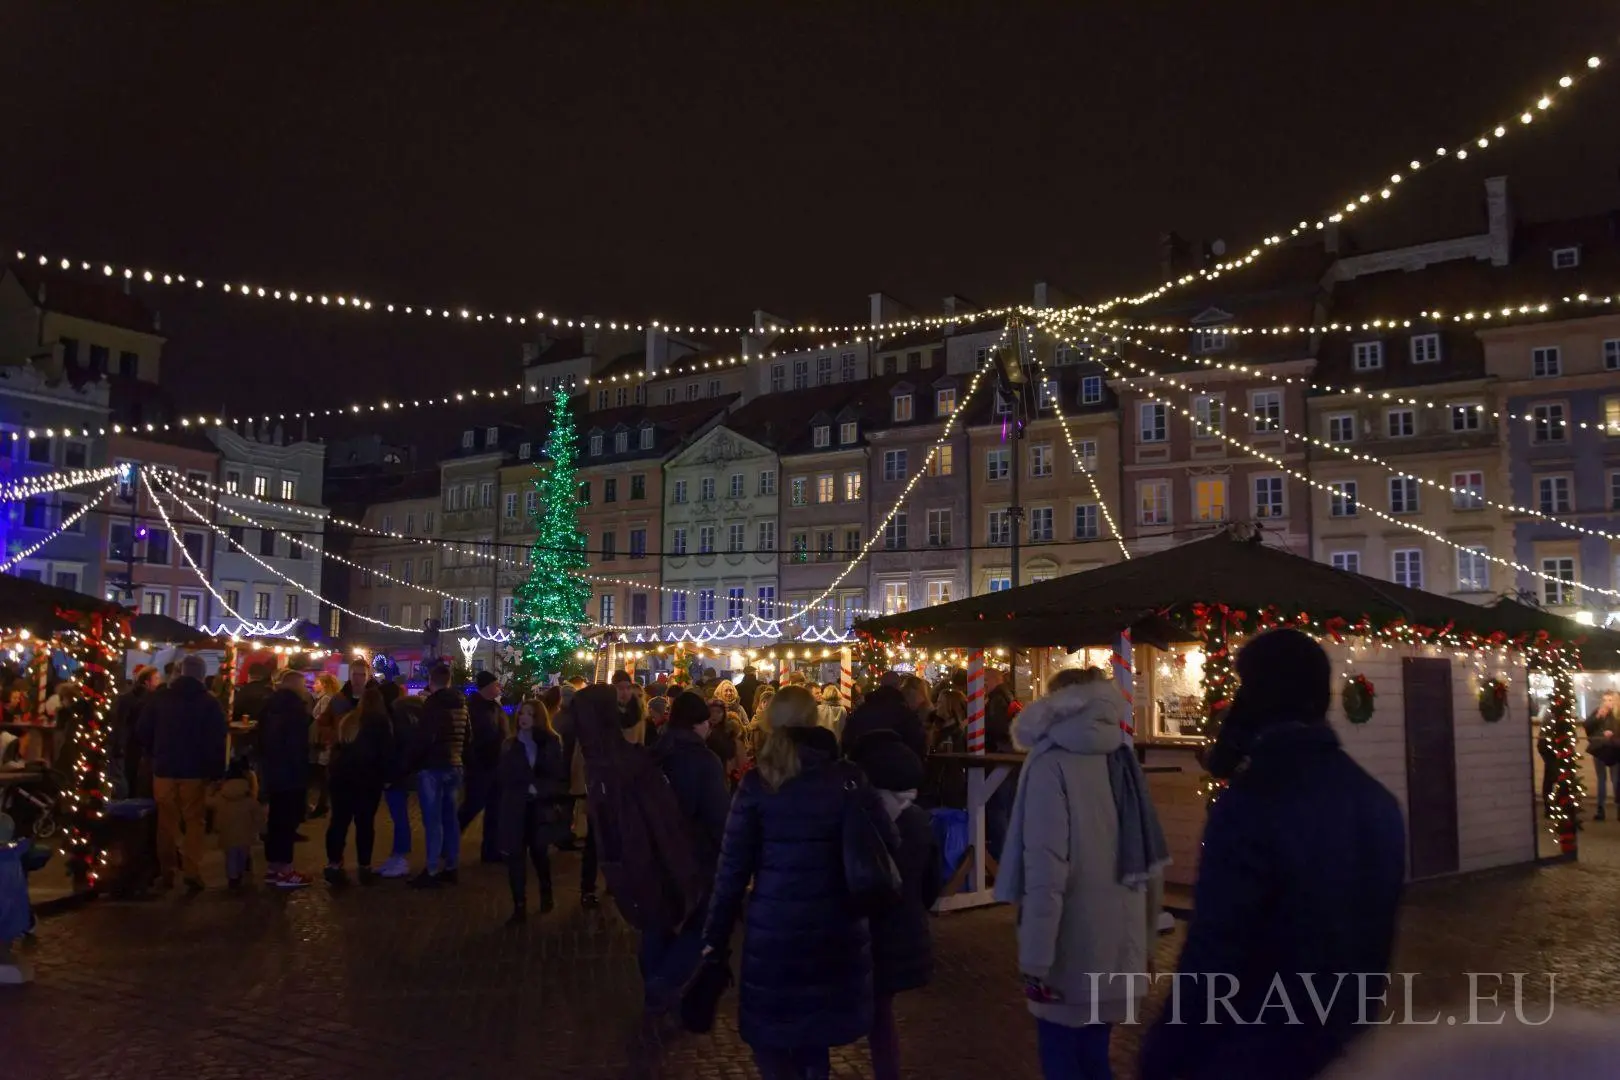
x: 1358, y: 697
x: 1493, y: 698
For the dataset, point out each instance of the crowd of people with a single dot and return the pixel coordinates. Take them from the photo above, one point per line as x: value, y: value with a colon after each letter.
x: 803, y: 815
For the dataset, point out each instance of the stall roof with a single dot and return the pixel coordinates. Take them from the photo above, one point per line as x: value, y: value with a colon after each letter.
x: 1088, y: 608
x: 34, y: 606
x: 169, y: 631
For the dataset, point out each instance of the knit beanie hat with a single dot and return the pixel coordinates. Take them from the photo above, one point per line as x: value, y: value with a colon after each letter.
x: 1283, y: 674
x: 888, y: 762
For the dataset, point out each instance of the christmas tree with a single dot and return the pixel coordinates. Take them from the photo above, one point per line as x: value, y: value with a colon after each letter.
x: 548, y: 616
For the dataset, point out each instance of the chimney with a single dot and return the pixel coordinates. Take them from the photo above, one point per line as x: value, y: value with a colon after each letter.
x: 764, y: 321
x: 957, y: 305
x: 1048, y: 295
x: 588, y: 336
x: 1500, y: 212
x: 1173, y: 252
x: 657, y: 354
x: 884, y: 309
x: 41, y: 298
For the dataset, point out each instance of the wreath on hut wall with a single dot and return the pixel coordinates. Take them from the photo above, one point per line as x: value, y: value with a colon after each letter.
x: 1358, y: 697
x: 1493, y: 700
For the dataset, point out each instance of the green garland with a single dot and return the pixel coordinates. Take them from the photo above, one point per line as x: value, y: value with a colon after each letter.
x: 1358, y: 697
x: 1493, y: 699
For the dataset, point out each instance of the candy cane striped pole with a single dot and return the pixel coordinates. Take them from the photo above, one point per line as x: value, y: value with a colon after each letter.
x: 846, y: 675
x: 975, y: 702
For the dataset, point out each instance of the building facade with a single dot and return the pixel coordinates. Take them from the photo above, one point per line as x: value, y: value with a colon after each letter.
x: 469, y: 522
x: 393, y: 577
x: 148, y: 566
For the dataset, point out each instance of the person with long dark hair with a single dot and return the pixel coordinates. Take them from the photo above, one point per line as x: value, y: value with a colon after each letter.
x: 532, y: 786
x: 362, y: 762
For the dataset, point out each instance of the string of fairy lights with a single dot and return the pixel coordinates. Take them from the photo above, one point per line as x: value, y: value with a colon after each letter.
x: 67, y: 524
x: 48, y: 483
x: 1080, y: 467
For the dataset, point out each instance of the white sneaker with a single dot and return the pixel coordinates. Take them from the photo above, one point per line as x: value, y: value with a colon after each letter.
x: 394, y: 866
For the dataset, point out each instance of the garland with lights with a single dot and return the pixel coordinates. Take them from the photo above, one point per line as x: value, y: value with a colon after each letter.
x: 97, y: 647
x: 548, y: 609
x: 1557, y: 736
x: 1493, y: 700
x: 1358, y: 697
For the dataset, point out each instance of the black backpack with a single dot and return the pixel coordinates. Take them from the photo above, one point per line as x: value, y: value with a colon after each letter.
x: 643, y: 844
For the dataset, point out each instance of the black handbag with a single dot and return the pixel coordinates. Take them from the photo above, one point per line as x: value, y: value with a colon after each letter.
x: 870, y: 872
x: 702, y: 997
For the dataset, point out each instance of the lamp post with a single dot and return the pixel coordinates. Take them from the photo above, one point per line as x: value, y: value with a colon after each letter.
x: 1010, y: 383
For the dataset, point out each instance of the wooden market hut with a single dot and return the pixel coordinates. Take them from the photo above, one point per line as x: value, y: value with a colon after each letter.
x: 1464, y: 779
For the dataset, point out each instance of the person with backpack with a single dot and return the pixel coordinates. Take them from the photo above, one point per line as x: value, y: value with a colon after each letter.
x: 643, y: 844
x: 668, y: 958
x: 361, y: 762
x: 806, y: 971
x: 441, y: 738
x: 532, y: 786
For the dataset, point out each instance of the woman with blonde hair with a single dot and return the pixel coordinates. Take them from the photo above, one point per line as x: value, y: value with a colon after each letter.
x: 806, y: 972
x: 532, y: 785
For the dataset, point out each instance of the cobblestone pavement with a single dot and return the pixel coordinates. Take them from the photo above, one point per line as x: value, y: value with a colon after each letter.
x: 392, y: 983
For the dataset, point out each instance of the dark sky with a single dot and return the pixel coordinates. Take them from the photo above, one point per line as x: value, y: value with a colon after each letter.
x: 626, y: 161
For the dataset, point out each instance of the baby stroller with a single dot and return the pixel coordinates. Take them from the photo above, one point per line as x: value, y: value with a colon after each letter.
x: 34, y: 797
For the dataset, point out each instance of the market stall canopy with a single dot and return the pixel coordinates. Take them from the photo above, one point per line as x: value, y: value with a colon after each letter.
x: 35, y: 606
x: 1145, y: 593
x: 169, y: 631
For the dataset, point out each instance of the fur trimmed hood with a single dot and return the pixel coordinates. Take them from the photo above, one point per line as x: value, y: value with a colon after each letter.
x: 1081, y: 719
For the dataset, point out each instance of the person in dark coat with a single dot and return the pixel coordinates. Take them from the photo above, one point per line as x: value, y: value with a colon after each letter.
x: 404, y: 712
x: 186, y: 730
x: 486, y: 732
x: 441, y: 741
x: 284, y: 723
x: 362, y: 762
x: 747, y: 687
x: 125, y: 732
x: 805, y: 981
x: 669, y: 958
x: 1276, y: 897
x: 885, y: 709
x: 902, y: 949
x: 532, y: 786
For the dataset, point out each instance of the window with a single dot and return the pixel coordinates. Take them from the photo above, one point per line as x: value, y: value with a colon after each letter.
x: 1611, y: 355
x: 677, y: 607
x: 944, y: 401
x: 1342, y: 499
x: 778, y: 378
x: 601, y: 399
x: 525, y: 449
x: 70, y: 350
x: 1210, y: 340
x: 1209, y: 416
x: 261, y: 486
x: 669, y: 395
x: 1341, y: 427
x: 427, y: 571
x: 706, y: 489
x: 1050, y: 394
x: 1403, y: 495
x: 1545, y: 362
x: 852, y: 485
x: 638, y: 543
x: 998, y: 528
x: 621, y: 439
x: 1368, y: 355
x: 1473, y: 570
x: 765, y: 602
x: 152, y: 603
x: 233, y: 600
x: 824, y: 546
x: 896, y: 597
x: 1558, y: 582
x: 193, y: 544
x: 1406, y: 565
x: 267, y: 541
x: 734, y: 603
x: 826, y: 488
x: 939, y: 528
x: 1425, y: 348
x: 996, y: 464
x: 66, y: 508
x: 1086, y: 456
x: 1153, y: 502
x: 847, y: 433
x: 1466, y: 417
x: 1091, y: 390
x: 1268, y: 497
x: 233, y: 480
x: 680, y: 492
x: 1154, y: 423
x: 1566, y: 258
x: 902, y: 408
x: 1040, y: 524
x: 1209, y: 498
x: 510, y: 505
x: 939, y: 592
x: 1400, y: 423
x: 821, y: 436
x: 736, y: 485
x: 1614, y: 497
x: 943, y: 462
x: 157, y: 547
x: 1553, y: 494
x: 427, y: 523
x: 237, y: 535
x: 677, y: 542
x: 1040, y: 460
x: 798, y: 489
x: 261, y: 605
x: 1265, y: 407
x: 75, y: 455
x: 705, y: 605
x: 1085, y: 521
x: 1548, y: 424
x: 767, y: 536
x: 610, y: 546
x: 705, y: 539
x: 638, y: 486
x: 486, y: 495
x: 39, y: 450
x: 800, y: 543
x: 1468, y: 490
x: 734, y: 537
x: 714, y: 387
x: 894, y: 464
x: 190, y: 608
x: 801, y: 374
x: 289, y: 609
x: 596, y: 444
x: 823, y: 370
x: 894, y: 533
x: 1348, y: 561
x: 610, y: 489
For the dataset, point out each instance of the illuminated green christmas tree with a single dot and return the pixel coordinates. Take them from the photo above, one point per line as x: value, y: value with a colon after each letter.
x: 548, y: 610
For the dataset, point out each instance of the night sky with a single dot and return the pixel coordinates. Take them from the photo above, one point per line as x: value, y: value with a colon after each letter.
x: 619, y: 161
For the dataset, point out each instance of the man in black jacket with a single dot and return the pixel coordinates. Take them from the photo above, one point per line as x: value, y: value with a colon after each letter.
x: 284, y: 723
x: 885, y: 709
x: 486, y: 731
x: 747, y: 687
x: 126, y: 742
x: 441, y: 739
x: 187, y: 734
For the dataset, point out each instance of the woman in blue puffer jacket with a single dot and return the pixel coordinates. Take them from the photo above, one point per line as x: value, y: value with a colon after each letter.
x: 805, y: 983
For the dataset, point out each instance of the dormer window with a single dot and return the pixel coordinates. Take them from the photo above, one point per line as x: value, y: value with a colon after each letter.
x: 846, y: 433
x: 1566, y: 258
x: 491, y: 437
x: 1425, y: 348
x: 1209, y: 341
x: 944, y: 401
x: 524, y: 450
x: 621, y: 441
x: 1368, y: 355
x: 1091, y: 390
x: 469, y: 439
x: 621, y: 396
x: 902, y: 407
x: 1049, y: 393
x: 601, y: 399
x: 1003, y: 403
x: 646, y: 436
x: 821, y: 436
x: 596, y: 444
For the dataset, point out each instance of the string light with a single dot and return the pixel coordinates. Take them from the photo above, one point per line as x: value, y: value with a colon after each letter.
x: 46, y: 483
x: 1080, y: 465
x: 66, y: 524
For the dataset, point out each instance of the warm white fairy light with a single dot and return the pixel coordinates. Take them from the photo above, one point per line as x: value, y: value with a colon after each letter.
x: 1080, y: 464
x: 46, y: 483
x: 66, y: 524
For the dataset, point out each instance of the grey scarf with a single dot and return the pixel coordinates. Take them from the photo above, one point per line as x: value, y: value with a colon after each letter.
x: 1142, y: 850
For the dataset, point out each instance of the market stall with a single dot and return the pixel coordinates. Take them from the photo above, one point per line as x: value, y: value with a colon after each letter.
x: 1432, y: 694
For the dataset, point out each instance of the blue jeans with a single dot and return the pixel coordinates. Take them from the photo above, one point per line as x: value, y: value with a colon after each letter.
x: 436, y: 791
x: 236, y: 861
x: 399, y: 812
x: 800, y: 1063
x: 1607, y: 773
x: 669, y: 959
x: 998, y: 814
x: 1073, y: 1053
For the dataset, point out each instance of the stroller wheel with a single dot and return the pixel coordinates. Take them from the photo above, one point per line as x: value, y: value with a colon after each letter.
x: 45, y: 826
